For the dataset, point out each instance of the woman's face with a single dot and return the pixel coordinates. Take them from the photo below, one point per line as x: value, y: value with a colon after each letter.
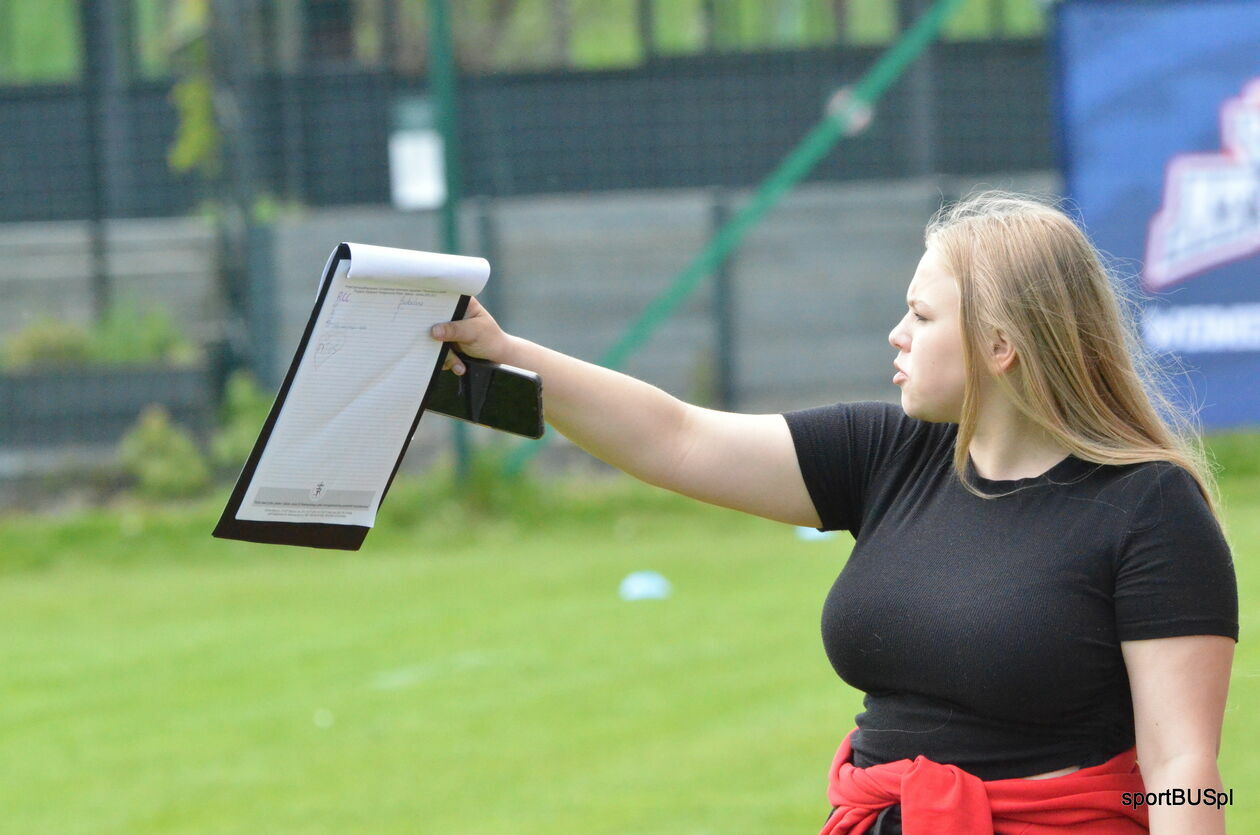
x: 929, y: 339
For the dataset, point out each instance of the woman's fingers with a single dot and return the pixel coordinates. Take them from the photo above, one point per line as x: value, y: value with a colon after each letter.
x: 452, y: 363
x: 457, y: 332
x: 450, y: 332
x: 476, y: 334
x: 467, y: 333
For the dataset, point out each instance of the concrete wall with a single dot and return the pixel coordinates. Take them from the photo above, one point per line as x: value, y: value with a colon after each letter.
x: 46, y: 270
x: 818, y: 285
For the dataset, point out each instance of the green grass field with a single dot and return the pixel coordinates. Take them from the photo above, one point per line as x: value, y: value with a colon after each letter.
x: 153, y: 680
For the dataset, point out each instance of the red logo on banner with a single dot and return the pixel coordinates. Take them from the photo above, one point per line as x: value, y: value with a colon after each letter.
x: 1211, y: 211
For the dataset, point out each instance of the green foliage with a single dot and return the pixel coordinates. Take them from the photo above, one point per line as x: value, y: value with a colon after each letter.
x: 604, y: 35
x: 744, y: 24
x: 869, y: 22
x: 163, y: 458
x: 44, y: 343
x: 196, y: 146
x: 39, y: 41
x: 983, y: 19
x: 490, y: 490
x: 486, y: 494
x: 245, y: 407
x: 678, y: 27
x: 127, y: 335
x: 268, y: 208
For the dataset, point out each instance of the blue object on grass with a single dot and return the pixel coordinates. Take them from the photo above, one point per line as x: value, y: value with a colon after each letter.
x: 645, y: 585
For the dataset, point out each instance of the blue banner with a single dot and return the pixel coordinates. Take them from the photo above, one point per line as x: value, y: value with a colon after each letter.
x: 1159, y: 119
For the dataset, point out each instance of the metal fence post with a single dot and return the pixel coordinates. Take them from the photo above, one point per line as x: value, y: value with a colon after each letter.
x: 442, y: 87
x: 488, y: 243
x: 103, y: 24
x: 920, y: 112
x: 723, y: 307
x: 262, y: 310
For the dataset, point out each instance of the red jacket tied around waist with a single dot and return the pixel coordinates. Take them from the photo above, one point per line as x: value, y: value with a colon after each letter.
x: 945, y: 800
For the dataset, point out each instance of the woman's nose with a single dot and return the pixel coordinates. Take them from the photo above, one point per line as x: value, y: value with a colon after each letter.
x: 895, y: 335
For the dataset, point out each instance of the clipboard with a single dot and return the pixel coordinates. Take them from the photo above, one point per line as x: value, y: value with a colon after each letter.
x: 319, y: 534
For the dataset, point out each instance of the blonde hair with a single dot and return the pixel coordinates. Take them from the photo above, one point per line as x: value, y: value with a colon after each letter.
x: 1082, y: 374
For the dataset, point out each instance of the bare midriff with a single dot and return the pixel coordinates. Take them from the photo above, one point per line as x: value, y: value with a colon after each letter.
x: 1059, y: 773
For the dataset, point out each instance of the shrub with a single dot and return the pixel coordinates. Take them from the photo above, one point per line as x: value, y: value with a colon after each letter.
x: 47, y: 342
x: 490, y: 490
x: 487, y: 493
x: 127, y: 334
x: 162, y: 458
x: 245, y: 408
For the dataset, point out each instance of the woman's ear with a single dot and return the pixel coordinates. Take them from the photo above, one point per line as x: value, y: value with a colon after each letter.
x: 1002, y: 357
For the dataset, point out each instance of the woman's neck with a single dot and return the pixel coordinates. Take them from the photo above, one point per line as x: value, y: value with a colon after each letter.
x: 1008, y: 446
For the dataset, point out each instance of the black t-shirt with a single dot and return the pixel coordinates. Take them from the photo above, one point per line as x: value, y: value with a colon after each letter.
x: 986, y: 632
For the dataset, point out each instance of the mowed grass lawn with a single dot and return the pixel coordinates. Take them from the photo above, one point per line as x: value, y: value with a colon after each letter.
x: 462, y: 673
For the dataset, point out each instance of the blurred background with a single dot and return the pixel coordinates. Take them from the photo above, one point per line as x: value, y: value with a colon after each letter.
x: 723, y: 197
x: 174, y: 173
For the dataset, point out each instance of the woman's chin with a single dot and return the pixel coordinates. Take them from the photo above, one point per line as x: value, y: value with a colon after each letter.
x: 920, y: 412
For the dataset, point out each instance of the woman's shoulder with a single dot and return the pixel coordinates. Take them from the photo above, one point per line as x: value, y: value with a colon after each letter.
x: 877, y: 415
x: 868, y: 442
x: 883, y: 428
x: 1151, y: 491
x: 1142, y: 477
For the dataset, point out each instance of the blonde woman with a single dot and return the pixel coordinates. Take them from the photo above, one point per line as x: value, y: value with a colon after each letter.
x: 1040, y: 604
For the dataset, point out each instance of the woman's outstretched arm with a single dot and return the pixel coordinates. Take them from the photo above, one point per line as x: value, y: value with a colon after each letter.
x: 745, y: 462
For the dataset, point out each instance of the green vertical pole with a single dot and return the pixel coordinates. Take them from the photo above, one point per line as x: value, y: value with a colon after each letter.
x: 442, y: 89
x: 790, y: 170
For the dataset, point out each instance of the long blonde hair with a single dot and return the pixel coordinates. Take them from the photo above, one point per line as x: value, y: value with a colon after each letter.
x: 1082, y: 374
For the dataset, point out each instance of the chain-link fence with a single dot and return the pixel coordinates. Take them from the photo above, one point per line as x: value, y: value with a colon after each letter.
x: 174, y: 172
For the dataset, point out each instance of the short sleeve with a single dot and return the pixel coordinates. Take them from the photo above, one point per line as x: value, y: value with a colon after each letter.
x: 1175, y: 574
x: 840, y: 448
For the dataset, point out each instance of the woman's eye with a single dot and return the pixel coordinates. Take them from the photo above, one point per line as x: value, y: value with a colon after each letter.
x: 920, y: 318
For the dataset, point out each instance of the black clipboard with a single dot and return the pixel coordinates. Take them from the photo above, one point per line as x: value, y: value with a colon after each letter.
x: 311, y: 534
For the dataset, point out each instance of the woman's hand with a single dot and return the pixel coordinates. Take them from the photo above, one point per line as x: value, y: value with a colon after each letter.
x: 476, y: 335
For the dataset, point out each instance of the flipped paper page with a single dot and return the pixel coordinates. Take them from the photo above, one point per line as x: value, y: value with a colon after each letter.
x: 358, y: 386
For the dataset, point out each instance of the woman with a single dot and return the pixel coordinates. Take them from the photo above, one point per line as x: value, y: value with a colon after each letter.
x: 1040, y: 589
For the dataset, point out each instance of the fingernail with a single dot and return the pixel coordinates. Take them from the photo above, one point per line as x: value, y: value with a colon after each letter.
x: 439, y: 330
x: 459, y: 370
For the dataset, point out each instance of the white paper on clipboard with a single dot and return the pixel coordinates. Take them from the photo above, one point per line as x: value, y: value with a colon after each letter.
x: 359, y: 385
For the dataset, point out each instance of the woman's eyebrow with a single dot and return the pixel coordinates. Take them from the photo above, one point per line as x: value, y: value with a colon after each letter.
x: 919, y: 303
